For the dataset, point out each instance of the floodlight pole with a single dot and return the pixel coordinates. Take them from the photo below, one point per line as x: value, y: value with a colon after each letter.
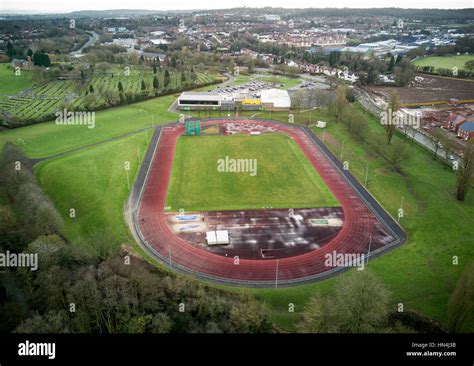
x: 366, y: 175
x: 401, y: 208
x: 276, y: 275
x: 169, y: 250
x: 342, y: 150
x: 368, y: 253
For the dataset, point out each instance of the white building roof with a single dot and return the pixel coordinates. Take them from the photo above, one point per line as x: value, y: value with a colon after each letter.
x: 217, y: 237
x: 279, y: 98
x: 203, y: 96
x: 211, y: 238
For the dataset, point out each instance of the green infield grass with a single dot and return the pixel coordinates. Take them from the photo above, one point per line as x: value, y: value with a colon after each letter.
x: 283, y: 177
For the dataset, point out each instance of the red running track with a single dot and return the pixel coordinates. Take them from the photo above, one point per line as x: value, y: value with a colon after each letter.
x: 359, y: 223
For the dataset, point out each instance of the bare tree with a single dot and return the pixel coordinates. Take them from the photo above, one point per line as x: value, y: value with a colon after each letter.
x: 297, y: 100
x: 465, y: 171
x: 396, y: 154
x: 448, y: 146
x: 341, y: 101
x: 460, y: 301
x: 436, y: 138
x: 393, y: 105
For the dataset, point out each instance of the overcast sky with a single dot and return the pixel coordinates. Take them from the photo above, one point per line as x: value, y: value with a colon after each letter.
x: 72, y: 5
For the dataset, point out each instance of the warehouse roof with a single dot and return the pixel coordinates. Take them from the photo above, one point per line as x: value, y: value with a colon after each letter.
x: 279, y: 98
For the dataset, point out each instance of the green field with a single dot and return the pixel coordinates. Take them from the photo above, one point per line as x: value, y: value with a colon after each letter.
x: 284, y: 177
x: 444, y: 62
x: 285, y: 81
x: 45, y: 139
x: 94, y: 183
x: 11, y: 83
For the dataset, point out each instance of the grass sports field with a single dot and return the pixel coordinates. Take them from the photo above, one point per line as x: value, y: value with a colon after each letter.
x: 283, y: 178
x: 444, y: 62
x: 12, y: 83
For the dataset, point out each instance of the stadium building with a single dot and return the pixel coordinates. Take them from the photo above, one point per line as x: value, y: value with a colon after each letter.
x: 266, y: 99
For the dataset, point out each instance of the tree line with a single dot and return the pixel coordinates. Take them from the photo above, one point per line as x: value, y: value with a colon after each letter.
x: 75, y: 290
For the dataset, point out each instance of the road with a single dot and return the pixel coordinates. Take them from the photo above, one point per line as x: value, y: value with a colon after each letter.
x: 93, y: 37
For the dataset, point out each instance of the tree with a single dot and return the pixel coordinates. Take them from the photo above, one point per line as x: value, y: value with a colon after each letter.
x: 250, y: 317
x: 52, y: 322
x: 41, y: 59
x: 341, y: 101
x: 183, y: 77
x: 173, y: 61
x: 460, y: 304
x: 10, y: 316
x: 167, y: 79
x: 465, y: 172
x: 403, y: 73
x: 359, y: 304
x: 154, y: 69
x: 372, y: 75
x: 297, y: 100
x: 334, y: 58
x: 10, y: 50
x: 91, y: 88
x: 469, y: 65
x: 436, y: 138
x: 11, y: 237
x: 120, y: 87
x: 391, y: 64
x: 396, y: 154
x: 143, y: 86
x: 156, y: 85
x: 393, y: 106
x: 313, y: 315
x: 49, y: 248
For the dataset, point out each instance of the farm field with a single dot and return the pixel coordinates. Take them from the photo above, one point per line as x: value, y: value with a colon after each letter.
x: 197, y: 185
x: 12, y: 83
x: 444, y: 62
x: 428, y: 88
